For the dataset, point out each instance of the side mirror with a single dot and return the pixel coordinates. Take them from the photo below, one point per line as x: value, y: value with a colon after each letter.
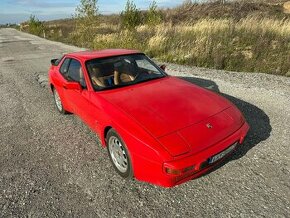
x: 54, y: 62
x: 72, y: 86
x: 163, y: 67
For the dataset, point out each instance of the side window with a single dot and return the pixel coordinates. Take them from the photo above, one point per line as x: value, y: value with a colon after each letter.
x: 64, y: 67
x: 75, y: 72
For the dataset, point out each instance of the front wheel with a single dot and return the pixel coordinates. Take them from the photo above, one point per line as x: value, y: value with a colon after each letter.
x: 119, y: 154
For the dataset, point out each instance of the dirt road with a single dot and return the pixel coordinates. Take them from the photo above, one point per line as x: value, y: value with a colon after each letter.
x: 52, y: 165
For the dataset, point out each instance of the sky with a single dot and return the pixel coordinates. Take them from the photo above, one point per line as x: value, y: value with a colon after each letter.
x: 17, y: 11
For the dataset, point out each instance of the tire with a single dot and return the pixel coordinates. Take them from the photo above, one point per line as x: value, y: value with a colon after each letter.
x: 119, y: 154
x: 58, y: 103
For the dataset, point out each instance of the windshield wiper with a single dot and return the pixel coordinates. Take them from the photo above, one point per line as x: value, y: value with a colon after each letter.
x: 152, y: 78
x: 113, y: 87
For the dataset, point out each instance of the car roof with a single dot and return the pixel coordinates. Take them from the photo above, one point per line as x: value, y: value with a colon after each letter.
x: 88, y: 55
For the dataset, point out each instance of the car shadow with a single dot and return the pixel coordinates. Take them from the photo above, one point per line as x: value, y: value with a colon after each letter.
x: 260, y: 127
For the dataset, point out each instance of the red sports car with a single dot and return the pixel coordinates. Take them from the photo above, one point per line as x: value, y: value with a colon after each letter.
x: 157, y: 128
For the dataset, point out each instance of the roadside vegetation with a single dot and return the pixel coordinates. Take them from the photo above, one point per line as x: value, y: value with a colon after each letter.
x: 33, y: 26
x: 251, y: 36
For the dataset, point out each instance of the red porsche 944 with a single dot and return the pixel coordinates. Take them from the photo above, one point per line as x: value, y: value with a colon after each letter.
x: 157, y: 128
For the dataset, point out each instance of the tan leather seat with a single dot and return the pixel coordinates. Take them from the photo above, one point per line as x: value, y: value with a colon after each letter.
x: 97, y: 78
x: 124, y: 74
x: 122, y: 77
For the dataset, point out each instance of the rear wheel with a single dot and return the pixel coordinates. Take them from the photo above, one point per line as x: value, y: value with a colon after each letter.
x: 119, y: 154
x: 58, y: 102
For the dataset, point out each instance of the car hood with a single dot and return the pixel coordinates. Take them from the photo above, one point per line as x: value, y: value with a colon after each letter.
x: 166, y: 105
x: 204, y: 134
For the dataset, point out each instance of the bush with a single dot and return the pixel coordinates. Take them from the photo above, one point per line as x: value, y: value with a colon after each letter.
x: 86, y: 18
x: 153, y: 16
x: 131, y: 16
x: 35, y: 26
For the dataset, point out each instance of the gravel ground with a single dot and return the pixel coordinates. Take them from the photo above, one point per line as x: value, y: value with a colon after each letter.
x: 52, y: 165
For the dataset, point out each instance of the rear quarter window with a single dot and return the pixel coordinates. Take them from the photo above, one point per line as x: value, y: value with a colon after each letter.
x: 64, y: 67
x: 74, y: 70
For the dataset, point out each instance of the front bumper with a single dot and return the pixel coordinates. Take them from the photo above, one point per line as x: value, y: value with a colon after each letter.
x: 160, y: 177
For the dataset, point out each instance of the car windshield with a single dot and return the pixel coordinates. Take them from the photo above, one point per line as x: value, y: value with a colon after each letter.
x: 114, y: 72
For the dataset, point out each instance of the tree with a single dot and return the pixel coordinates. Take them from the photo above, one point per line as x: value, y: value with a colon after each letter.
x: 154, y: 16
x: 131, y: 16
x: 187, y: 3
x: 86, y: 16
x: 35, y: 26
x: 87, y: 10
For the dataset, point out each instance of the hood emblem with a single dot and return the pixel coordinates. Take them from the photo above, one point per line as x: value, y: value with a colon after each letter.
x: 209, y: 126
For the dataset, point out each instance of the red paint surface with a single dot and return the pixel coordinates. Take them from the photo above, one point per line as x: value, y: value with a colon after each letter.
x: 163, y: 122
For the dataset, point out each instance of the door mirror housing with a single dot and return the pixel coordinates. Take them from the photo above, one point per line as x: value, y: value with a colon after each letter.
x: 163, y: 67
x: 54, y: 62
x: 72, y: 86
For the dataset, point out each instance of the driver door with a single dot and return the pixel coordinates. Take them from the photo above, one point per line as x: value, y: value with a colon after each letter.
x: 77, y: 99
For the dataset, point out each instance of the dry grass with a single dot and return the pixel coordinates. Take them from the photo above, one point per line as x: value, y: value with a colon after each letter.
x: 265, y: 25
x: 286, y: 7
x: 239, y: 36
x: 250, y: 44
x: 231, y: 9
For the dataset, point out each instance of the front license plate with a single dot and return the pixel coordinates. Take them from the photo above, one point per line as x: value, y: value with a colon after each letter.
x: 222, y: 154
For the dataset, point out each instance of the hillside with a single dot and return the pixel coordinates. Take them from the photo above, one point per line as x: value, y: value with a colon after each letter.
x: 188, y: 12
x: 241, y: 36
x: 236, y: 10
